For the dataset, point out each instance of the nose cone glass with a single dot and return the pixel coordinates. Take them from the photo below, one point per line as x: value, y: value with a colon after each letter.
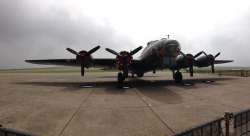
x: 172, y: 48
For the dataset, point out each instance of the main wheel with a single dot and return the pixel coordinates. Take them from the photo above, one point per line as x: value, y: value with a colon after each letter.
x: 178, y: 77
x: 120, y: 78
x: 140, y: 74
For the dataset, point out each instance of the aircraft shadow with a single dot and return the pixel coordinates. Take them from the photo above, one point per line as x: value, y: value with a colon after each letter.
x: 155, y: 90
x: 131, y: 83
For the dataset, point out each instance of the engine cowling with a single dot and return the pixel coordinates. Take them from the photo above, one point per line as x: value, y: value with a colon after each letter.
x: 206, y: 60
x: 124, y: 60
x: 186, y: 61
x: 84, y: 59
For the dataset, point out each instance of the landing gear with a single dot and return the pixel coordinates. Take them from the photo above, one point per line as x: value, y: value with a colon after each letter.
x: 178, y: 77
x: 120, y: 79
x: 125, y: 72
x: 140, y: 74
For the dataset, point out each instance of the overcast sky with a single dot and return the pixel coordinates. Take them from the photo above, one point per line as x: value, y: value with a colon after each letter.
x: 42, y: 29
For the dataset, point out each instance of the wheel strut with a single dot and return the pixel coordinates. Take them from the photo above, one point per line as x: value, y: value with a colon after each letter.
x: 120, y: 79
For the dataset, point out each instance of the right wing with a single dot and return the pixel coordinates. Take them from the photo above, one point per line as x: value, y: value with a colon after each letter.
x: 222, y: 61
x: 98, y: 63
x: 61, y: 62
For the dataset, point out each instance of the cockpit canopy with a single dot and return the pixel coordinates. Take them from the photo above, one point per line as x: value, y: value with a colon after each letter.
x: 151, y: 42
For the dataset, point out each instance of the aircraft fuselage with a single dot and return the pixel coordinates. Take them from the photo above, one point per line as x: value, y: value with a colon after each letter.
x: 158, y: 54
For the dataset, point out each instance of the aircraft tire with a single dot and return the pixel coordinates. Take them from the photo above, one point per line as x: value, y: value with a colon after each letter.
x: 120, y: 78
x: 140, y: 74
x: 178, y: 77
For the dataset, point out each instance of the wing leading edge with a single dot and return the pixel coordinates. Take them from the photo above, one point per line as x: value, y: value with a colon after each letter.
x: 61, y: 62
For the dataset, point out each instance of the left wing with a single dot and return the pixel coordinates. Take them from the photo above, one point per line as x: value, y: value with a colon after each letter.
x: 102, y: 63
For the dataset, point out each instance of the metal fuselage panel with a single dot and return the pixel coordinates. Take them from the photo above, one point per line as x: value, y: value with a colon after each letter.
x: 158, y: 54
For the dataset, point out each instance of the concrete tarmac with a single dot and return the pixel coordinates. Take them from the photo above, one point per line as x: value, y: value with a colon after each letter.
x: 66, y: 104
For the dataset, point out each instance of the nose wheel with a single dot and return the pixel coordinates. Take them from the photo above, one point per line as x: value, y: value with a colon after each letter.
x: 178, y: 77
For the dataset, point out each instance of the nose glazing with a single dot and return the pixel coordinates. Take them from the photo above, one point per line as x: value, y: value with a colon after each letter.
x: 172, y: 48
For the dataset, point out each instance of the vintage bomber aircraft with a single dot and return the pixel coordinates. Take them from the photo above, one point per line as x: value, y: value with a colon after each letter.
x: 158, y: 54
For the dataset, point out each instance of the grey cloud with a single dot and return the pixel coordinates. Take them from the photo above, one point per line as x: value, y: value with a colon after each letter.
x: 28, y: 31
x: 233, y: 40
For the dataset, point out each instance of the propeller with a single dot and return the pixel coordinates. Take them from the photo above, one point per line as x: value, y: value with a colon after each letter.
x: 124, y: 59
x: 190, y: 60
x: 112, y: 52
x: 72, y: 51
x: 83, y: 57
x: 130, y: 54
x: 94, y: 50
x: 88, y: 53
x: 135, y: 50
x: 211, y: 59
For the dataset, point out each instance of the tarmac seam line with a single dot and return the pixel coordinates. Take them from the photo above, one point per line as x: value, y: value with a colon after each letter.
x: 154, y: 112
x: 113, y: 107
x: 76, y: 111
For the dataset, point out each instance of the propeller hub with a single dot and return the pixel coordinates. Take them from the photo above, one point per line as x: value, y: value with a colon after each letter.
x: 210, y: 59
x: 123, y: 60
x: 84, y: 58
x: 189, y: 59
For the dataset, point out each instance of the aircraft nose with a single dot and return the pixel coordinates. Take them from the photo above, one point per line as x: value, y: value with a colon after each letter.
x: 172, y: 48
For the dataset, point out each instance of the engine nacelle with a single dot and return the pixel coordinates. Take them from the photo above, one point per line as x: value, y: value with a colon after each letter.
x: 204, y: 61
x: 184, y: 62
x: 85, y: 59
x: 124, y: 60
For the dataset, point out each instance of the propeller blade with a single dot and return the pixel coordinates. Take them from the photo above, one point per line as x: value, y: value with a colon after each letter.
x: 217, y: 55
x: 113, y: 52
x: 191, y: 70
x: 72, y: 51
x: 198, y: 54
x: 135, y: 51
x: 183, y: 54
x: 94, y: 49
x: 82, y: 70
x: 204, y: 53
x: 212, y: 66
